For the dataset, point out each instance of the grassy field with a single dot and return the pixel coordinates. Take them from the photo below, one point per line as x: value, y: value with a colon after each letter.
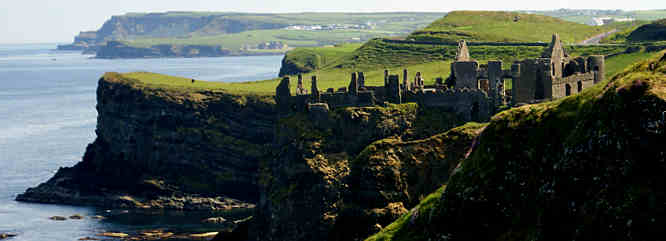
x: 487, y: 26
x: 380, y: 54
x: 293, y: 38
x: 649, y: 14
x: 618, y: 63
x: 585, y: 16
x: 329, y: 78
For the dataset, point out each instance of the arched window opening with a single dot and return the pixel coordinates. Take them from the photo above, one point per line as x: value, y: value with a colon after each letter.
x: 553, y: 69
x: 567, y: 90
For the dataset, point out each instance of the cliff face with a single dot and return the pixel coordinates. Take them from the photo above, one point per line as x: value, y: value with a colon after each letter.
x: 325, y: 181
x: 153, y: 143
x: 587, y: 167
x: 115, y: 49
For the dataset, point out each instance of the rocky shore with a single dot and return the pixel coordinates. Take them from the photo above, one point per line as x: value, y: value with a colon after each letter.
x: 56, y: 191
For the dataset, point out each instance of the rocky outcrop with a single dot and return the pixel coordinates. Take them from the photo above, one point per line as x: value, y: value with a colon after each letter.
x: 588, y: 167
x: 326, y: 182
x: 159, y: 148
x: 292, y: 66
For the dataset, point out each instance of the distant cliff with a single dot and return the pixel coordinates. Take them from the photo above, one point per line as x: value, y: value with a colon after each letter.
x: 167, y: 25
x: 116, y: 49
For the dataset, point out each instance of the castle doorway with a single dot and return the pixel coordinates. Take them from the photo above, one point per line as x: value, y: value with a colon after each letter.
x: 567, y: 90
x: 475, y: 111
x: 539, y: 93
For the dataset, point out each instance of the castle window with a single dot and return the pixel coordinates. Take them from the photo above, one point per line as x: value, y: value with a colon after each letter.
x: 567, y: 90
x: 553, y: 69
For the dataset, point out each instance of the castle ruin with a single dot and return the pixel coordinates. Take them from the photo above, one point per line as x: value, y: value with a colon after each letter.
x: 473, y: 91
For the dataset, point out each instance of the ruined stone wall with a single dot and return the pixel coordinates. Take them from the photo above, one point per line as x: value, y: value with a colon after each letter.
x: 469, y: 104
x: 576, y: 83
x: 345, y: 99
x: 465, y: 74
x: 523, y: 87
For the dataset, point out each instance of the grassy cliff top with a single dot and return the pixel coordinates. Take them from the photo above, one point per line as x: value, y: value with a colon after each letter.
x: 182, y: 90
x: 490, y: 26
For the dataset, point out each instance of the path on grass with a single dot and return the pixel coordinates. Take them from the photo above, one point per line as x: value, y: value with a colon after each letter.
x: 597, y: 38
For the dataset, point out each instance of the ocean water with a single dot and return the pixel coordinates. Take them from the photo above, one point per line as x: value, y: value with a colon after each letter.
x: 48, y: 116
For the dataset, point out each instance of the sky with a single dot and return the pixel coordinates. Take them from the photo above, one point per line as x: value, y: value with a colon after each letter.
x: 58, y: 21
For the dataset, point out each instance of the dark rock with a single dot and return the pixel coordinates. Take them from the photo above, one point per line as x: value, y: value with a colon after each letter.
x: 214, y: 220
x: 239, y: 233
x: 7, y: 235
x: 58, y: 218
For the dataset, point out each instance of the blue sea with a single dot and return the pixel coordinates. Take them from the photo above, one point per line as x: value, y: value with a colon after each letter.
x: 48, y: 116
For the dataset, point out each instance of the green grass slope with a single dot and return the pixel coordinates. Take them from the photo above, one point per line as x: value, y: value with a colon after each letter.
x: 488, y: 26
x: 304, y: 60
x: 655, y: 31
x: 585, y: 167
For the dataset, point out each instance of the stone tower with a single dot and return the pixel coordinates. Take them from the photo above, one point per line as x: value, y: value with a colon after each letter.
x: 316, y: 97
x: 405, y: 81
x: 393, y: 93
x: 299, y: 86
x: 555, y: 52
x: 353, y: 84
x: 463, y: 52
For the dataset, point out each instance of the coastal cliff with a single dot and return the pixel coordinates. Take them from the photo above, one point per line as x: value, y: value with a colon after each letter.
x: 576, y: 167
x: 309, y: 174
x: 159, y: 148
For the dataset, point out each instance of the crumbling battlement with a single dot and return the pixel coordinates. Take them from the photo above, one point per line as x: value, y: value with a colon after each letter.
x: 473, y: 91
x: 469, y: 104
